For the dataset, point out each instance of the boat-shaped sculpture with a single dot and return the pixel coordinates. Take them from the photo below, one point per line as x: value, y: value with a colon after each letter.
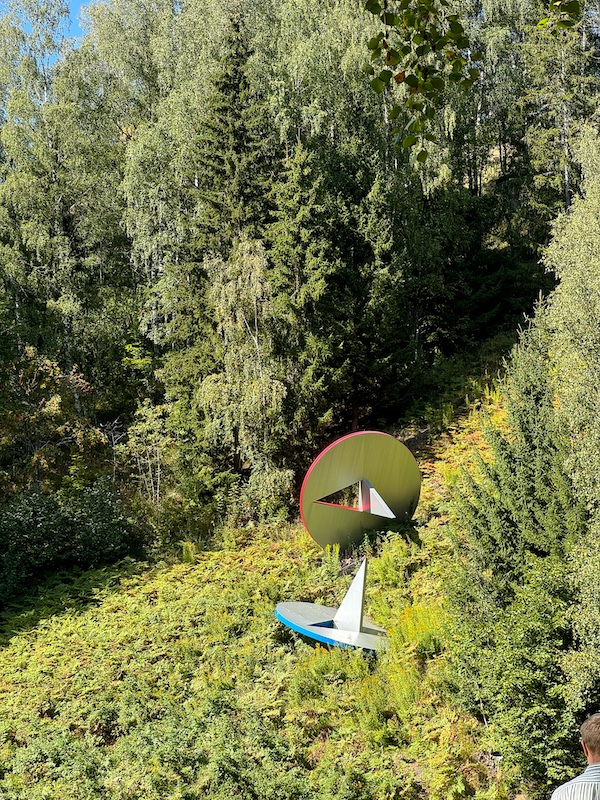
x: 388, y: 482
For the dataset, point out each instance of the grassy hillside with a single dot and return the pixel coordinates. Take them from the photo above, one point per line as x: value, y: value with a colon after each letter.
x: 176, y: 680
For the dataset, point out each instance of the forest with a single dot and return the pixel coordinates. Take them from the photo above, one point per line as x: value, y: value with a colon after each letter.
x: 232, y: 231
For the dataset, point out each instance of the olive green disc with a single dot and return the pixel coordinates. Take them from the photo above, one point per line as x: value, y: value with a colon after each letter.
x: 389, y: 484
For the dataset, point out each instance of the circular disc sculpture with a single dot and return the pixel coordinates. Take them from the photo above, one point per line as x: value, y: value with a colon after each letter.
x: 388, y: 483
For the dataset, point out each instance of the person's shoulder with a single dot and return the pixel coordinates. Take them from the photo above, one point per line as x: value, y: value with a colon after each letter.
x: 569, y: 790
x: 561, y: 792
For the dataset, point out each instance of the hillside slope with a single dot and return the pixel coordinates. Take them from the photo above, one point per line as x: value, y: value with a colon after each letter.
x: 176, y: 681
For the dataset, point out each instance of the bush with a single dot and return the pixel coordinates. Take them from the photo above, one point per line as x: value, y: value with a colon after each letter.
x: 41, y: 533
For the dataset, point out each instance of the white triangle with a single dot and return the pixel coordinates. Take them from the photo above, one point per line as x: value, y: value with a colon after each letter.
x: 349, y: 616
x: 371, y: 501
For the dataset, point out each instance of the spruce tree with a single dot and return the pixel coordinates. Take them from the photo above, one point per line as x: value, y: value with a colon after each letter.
x: 573, y: 313
x: 301, y: 262
x: 516, y: 522
x: 220, y: 188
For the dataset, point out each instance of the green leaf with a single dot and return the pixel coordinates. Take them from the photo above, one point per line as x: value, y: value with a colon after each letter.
x: 373, y: 6
x: 392, y: 57
x: 409, y: 141
x: 385, y: 75
x: 416, y: 126
x: 377, y: 85
x: 373, y: 43
x: 395, y: 112
x: 543, y: 22
x: 368, y: 69
x: 412, y: 81
x: 474, y: 74
x: 391, y: 19
x: 431, y: 138
x: 566, y: 23
x: 437, y: 82
x: 422, y: 156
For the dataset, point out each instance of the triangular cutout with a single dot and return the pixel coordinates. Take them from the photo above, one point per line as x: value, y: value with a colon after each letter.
x: 346, y: 497
x: 360, y: 496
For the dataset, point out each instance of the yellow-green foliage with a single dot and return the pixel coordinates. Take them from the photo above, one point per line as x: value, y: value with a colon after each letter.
x: 177, y: 681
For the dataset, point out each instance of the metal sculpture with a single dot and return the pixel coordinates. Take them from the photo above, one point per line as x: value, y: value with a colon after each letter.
x: 388, y: 481
x: 389, y: 484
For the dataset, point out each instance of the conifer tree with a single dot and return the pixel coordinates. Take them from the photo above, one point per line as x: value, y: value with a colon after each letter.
x: 323, y: 269
x: 573, y: 313
x: 215, y: 203
x: 516, y: 523
x: 302, y: 262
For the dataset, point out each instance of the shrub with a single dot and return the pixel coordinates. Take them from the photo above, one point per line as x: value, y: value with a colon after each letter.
x: 41, y: 533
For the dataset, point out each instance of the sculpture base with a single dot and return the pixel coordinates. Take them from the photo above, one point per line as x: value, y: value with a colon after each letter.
x: 318, y: 623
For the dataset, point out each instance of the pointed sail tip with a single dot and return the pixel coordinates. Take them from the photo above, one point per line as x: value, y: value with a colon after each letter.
x: 349, y: 616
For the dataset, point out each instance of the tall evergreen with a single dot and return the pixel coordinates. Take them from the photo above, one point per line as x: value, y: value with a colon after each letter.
x: 219, y: 191
x: 302, y: 261
x: 516, y: 524
x: 574, y: 313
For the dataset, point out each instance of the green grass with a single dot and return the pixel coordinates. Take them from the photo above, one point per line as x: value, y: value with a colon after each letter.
x: 176, y: 681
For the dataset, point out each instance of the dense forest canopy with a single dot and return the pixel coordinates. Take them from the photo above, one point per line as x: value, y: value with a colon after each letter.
x: 207, y: 231
x: 220, y: 248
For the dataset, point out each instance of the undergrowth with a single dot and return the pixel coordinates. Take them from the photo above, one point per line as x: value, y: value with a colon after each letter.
x: 176, y: 680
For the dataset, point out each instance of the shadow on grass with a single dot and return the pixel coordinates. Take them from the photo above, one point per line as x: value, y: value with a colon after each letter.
x: 448, y: 387
x: 64, y: 592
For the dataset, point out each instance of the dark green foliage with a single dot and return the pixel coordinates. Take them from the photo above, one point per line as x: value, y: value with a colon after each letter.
x: 212, y: 262
x: 517, y: 521
x: 573, y: 315
x: 522, y: 500
x: 243, y: 144
x: 323, y: 277
x: 41, y: 534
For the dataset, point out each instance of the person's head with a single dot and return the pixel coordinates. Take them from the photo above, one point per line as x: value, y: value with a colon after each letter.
x: 590, y: 738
